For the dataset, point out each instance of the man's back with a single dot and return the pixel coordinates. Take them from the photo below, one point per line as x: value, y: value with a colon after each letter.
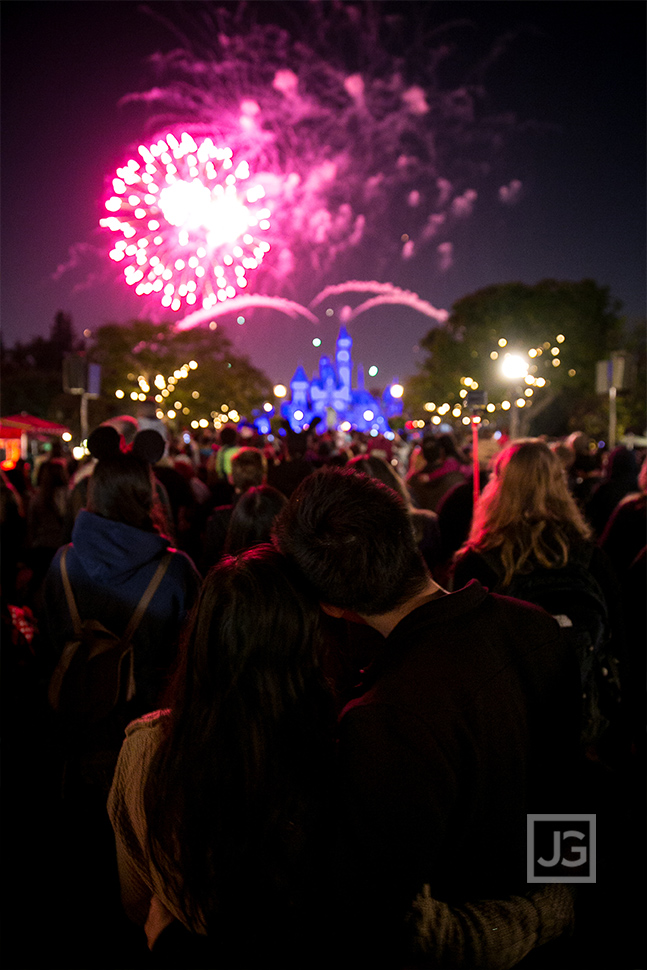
x: 469, y: 722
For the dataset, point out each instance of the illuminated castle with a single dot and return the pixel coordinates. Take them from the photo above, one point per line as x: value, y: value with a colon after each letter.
x: 331, y: 396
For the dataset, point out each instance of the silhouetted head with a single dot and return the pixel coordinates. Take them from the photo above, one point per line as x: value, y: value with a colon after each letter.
x: 352, y: 538
x: 253, y: 518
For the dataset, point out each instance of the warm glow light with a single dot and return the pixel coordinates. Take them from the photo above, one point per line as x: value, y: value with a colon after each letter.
x: 397, y: 390
x: 119, y: 393
x: 280, y: 390
x: 514, y: 367
x: 66, y: 436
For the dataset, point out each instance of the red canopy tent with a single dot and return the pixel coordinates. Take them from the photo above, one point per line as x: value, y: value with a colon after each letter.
x: 16, y: 430
x: 32, y: 425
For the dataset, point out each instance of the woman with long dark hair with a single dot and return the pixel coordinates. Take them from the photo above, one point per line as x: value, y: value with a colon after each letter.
x: 221, y: 801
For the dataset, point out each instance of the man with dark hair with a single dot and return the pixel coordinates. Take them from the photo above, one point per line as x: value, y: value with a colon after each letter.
x: 468, y: 717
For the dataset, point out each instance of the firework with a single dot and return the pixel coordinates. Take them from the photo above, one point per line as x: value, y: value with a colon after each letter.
x: 366, y: 157
x: 191, y: 220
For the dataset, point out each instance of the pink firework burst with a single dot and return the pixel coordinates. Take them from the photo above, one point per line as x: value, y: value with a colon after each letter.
x: 191, y: 220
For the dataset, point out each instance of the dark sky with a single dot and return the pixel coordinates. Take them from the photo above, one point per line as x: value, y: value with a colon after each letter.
x: 576, y: 71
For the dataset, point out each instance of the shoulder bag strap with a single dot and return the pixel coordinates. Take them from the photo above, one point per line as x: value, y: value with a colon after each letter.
x: 148, y: 595
x: 74, y: 613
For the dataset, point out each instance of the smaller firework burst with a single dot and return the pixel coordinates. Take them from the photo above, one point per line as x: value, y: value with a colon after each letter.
x: 191, y: 220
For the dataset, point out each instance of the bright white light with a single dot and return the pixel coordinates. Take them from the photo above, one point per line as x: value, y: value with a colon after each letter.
x: 514, y: 367
x: 397, y: 390
x: 368, y: 415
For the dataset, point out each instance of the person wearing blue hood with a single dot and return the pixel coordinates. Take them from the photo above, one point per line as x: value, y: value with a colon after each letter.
x: 116, y: 548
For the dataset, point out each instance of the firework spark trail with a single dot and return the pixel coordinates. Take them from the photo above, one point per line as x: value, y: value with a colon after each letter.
x: 389, y: 292
x: 292, y: 309
x: 404, y: 298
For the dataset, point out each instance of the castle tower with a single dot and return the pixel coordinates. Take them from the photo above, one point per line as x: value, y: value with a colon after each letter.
x: 344, y: 362
x: 300, y: 386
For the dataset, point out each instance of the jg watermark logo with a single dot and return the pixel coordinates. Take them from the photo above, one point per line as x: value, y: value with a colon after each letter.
x: 561, y: 848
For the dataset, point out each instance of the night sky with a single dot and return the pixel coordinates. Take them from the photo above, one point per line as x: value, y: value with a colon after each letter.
x: 573, y: 74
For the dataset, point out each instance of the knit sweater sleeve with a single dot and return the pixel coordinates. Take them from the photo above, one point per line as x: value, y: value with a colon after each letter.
x: 493, y: 933
x: 126, y: 811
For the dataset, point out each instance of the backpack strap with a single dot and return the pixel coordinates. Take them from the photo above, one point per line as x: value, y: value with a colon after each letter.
x: 74, y: 613
x: 142, y: 606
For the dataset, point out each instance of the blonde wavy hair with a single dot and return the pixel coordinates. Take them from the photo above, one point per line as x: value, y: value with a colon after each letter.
x: 526, y: 511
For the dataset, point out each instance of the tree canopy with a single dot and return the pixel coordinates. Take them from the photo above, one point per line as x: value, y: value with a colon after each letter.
x: 559, y: 328
x: 195, y: 374
x: 191, y: 375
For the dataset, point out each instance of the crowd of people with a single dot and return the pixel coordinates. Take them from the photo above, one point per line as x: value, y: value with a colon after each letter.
x: 352, y: 677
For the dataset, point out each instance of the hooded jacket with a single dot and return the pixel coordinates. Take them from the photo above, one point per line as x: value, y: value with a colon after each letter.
x: 110, y: 565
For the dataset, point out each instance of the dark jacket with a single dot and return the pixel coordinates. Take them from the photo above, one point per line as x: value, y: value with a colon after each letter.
x: 469, y: 720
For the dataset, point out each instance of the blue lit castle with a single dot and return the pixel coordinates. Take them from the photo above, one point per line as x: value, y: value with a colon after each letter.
x: 331, y: 396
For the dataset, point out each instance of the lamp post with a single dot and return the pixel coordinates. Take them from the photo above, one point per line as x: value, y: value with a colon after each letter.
x: 514, y: 368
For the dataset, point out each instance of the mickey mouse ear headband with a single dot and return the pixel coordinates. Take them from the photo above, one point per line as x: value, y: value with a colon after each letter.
x: 149, y: 445
x: 106, y: 442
